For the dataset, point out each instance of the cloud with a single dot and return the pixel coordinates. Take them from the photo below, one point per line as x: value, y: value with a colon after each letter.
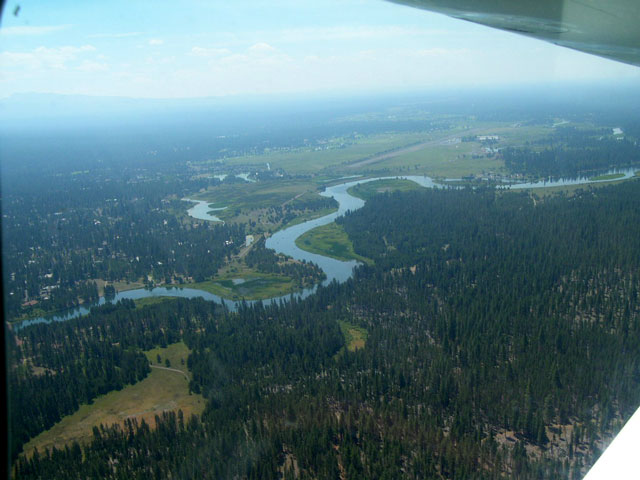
x: 44, y: 57
x: 32, y: 30
x: 156, y: 41
x: 91, y: 67
x: 262, y: 48
x: 114, y: 35
x: 209, y: 52
x: 9, y: 59
x: 258, y: 56
x: 159, y: 61
x: 441, y: 52
x: 355, y: 33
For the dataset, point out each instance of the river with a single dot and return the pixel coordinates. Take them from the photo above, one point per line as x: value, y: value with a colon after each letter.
x: 284, y: 242
x: 561, y: 182
x: 201, y: 210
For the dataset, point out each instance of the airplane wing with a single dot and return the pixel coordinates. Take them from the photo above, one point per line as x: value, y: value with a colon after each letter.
x: 608, y: 28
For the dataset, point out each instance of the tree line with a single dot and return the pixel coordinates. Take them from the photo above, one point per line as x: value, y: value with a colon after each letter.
x: 571, y: 151
x: 58, y: 239
x: 502, y: 341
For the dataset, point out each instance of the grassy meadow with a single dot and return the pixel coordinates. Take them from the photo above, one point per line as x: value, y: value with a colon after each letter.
x: 161, y: 390
x: 330, y: 240
x: 367, y: 190
x: 355, y: 337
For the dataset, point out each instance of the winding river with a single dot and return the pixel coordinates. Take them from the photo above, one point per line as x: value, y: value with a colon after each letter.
x: 284, y: 242
x: 201, y: 210
x: 561, y: 182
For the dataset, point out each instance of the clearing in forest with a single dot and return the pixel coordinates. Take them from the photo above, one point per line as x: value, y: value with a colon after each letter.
x: 330, y: 240
x: 163, y: 389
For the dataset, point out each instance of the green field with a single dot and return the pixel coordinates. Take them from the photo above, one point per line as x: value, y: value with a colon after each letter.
x: 435, y: 153
x: 334, y: 154
x: 250, y: 196
x: 258, y: 204
x: 439, y: 152
x: 256, y: 285
x: 120, y: 286
x: 354, y: 337
x: 309, y: 216
x: 177, y: 354
x: 449, y: 161
x: 610, y: 176
x: 436, y: 157
x: 143, y: 302
x: 445, y: 155
x: 330, y: 240
x: 367, y: 190
x: 161, y: 390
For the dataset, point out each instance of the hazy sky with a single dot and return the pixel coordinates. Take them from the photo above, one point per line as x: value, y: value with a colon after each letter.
x: 212, y: 48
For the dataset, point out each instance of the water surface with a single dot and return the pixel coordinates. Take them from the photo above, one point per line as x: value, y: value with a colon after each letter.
x: 201, y: 210
x: 284, y: 242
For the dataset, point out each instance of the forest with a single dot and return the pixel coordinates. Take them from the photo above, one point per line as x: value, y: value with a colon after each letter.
x: 82, y: 211
x: 501, y: 343
x: 114, y: 228
x: 267, y: 261
x: 570, y: 151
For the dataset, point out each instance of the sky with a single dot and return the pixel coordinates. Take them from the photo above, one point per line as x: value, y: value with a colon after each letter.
x: 197, y: 48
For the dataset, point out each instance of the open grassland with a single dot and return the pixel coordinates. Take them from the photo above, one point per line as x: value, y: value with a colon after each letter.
x: 264, y: 206
x: 120, y: 286
x: 424, y: 152
x: 355, y: 337
x: 448, y: 161
x: 143, y: 302
x: 367, y: 190
x: 255, y: 285
x: 161, y: 390
x: 330, y: 240
x: 336, y: 152
x: 176, y: 353
x: 610, y: 176
x: 446, y: 155
x: 249, y: 196
x: 438, y: 153
x: 309, y: 216
x: 516, y: 135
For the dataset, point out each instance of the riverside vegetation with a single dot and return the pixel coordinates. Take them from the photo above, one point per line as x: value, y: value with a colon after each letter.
x: 487, y: 334
x: 530, y: 309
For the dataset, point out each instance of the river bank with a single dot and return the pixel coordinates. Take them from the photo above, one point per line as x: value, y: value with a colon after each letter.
x: 284, y: 241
